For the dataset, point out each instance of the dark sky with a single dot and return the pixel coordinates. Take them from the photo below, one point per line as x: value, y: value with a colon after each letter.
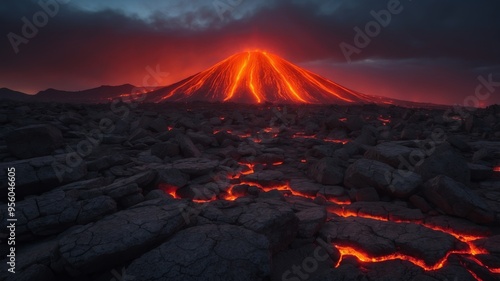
x: 429, y: 51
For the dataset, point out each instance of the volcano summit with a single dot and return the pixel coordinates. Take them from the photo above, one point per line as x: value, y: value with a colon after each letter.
x: 257, y: 77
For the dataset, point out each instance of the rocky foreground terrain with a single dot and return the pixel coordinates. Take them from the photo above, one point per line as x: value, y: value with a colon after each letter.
x: 233, y: 192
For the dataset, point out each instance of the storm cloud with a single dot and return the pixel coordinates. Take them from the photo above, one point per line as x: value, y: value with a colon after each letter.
x: 431, y: 51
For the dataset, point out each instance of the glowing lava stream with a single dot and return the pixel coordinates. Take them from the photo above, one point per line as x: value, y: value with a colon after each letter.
x: 344, y: 250
x: 349, y: 251
x: 238, y: 77
x: 290, y: 87
x: 257, y: 77
x: 363, y: 257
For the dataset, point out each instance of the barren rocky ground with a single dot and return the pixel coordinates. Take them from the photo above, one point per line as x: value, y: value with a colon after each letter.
x: 234, y: 192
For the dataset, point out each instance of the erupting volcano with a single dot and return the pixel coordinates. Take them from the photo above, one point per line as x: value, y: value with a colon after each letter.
x: 257, y: 77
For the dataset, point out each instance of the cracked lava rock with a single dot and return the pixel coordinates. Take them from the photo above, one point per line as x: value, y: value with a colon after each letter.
x: 234, y: 192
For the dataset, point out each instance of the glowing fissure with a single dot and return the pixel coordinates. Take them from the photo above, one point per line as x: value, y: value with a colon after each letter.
x: 257, y: 77
x: 363, y: 257
x: 468, y: 239
x: 339, y: 209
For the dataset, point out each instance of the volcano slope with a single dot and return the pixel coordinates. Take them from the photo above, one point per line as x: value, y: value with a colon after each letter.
x: 258, y: 77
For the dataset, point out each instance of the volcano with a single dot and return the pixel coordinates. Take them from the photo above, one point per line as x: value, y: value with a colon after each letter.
x: 258, y: 77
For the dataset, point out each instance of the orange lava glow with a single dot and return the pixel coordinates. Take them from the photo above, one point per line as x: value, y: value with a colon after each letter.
x: 465, y: 238
x: 363, y: 257
x: 340, y: 209
x: 205, y: 201
x: 305, y: 136
x: 468, y: 239
x: 169, y: 189
x: 384, y: 121
x: 336, y: 141
x: 490, y: 269
x: 257, y: 77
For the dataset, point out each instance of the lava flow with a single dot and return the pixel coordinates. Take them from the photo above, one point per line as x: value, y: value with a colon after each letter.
x: 340, y: 209
x: 258, y: 77
x: 468, y: 239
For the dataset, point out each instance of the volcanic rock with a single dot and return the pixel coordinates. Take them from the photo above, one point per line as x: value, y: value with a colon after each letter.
x: 382, y: 210
x: 187, y: 146
x: 458, y: 143
x: 209, y: 252
x: 113, y: 139
x: 269, y: 158
x: 491, y: 244
x: 367, y: 194
x: 120, y: 237
x: 138, y: 134
x: 130, y: 185
x: 108, y: 161
x: 33, y: 141
x: 332, y: 191
x: 42, y: 174
x: 172, y: 177
x: 444, y: 161
x: 312, y: 260
x: 389, y: 153
x: 321, y: 151
x: 274, y: 219
x: 305, y: 186
x: 327, y: 171
x: 164, y: 149
x: 195, y: 166
x: 265, y: 178
x: 198, y: 192
x: 202, y: 139
x: 310, y: 221
x: 33, y: 262
x: 366, y: 173
x: 411, y: 132
x: 56, y: 211
x: 158, y: 125
x: 368, y: 136
x: 479, y: 172
x: 385, y: 238
x: 456, y: 199
x: 71, y: 118
x: 420, y: 203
